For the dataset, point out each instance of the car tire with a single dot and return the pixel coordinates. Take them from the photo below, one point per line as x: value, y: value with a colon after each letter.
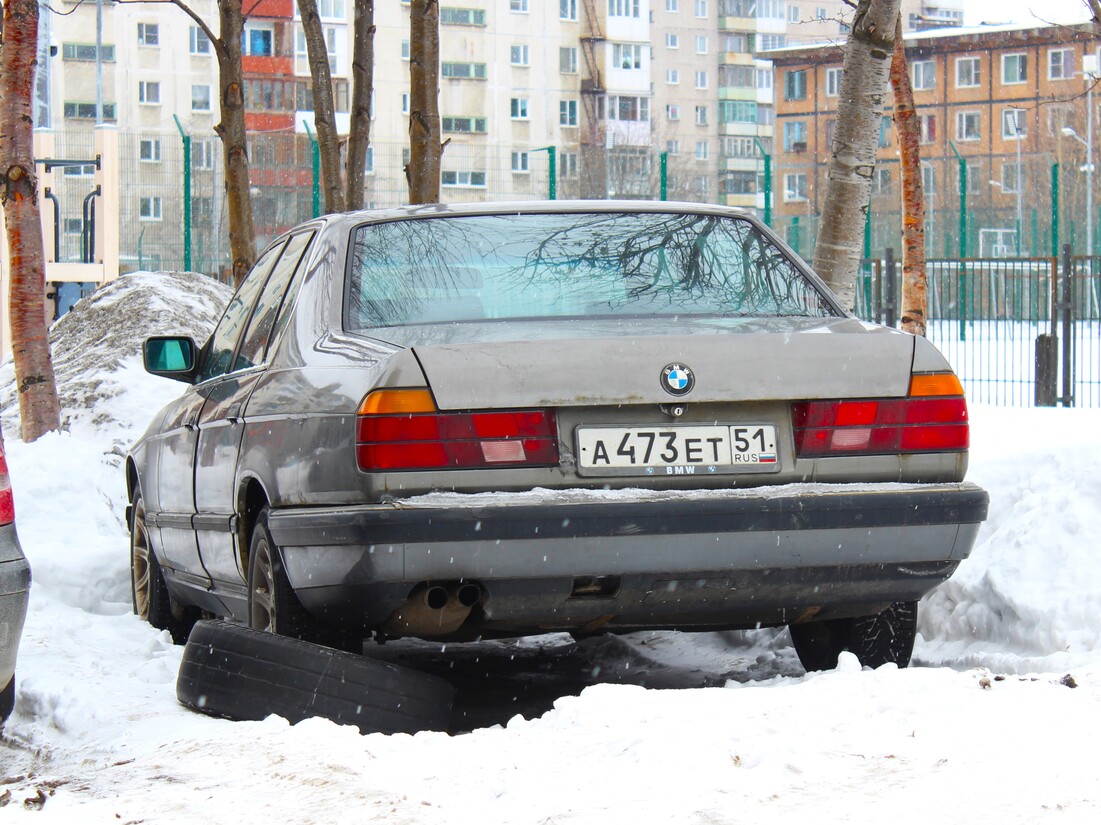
x: 148, y: 591
x: 7, y: 700
x: 272, y: 603
x: 234, y: 672
x: 875, y: 640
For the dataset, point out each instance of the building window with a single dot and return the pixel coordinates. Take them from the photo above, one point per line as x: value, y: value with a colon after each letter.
x: 258, y: 40
x: 627, y: 55
x: 520, y: 162
x: 672, y: 6
x: 149, y: 209
x: 928, y: 179
x: 701, y: 8
x: 768, y: 42
x: 967, y: 126
x: 1060, y: 64
x: 470, y: 71
x: 672, y: 41
x: 672, y: 76
x: 702, y: 184
x: 701, y: 80
x: 1012, y: 174
x: 701, y: 150
x: 405, y: 103
x: 1014, y: 124
x: 793, y: 14
x: 567, y: 112
x: 738, y: 183
x: 567, y: 165
x: 795, y: 187
x: 404, y: 49
x: 331, y: 9
x: 833, y: 82
x: 764, y: 78
x: 567, y: 9
x: 672, y: 111
x: 795, y: 84
x: 1014, y: 68
x: 202, y: 154
x: 624, y: 8
x: 567, y: 59
x: 149, y: 34
x: 200, y: 97
x: 518, y: 55
x: 86, y: 51
x: 518, y: 108
x: 701, y: 115
x: 628, y: 108
x: 464, y: 125
x: 967, y: 72
x: 149, y: 150
x: 701, y: 44
x: 927, y: 125
x: 795, y: 136
x: 881, y: 181
x: 820, y: 13
x: 924, y: 75
x: 884, y: 132
x: 466, y: 17
x: 738, y: 111
x: 672, y: 147
x: 149, y: 92
x: 738, y: 147
x: 518, y: 6
x: 471, y: 179
x: 198, y: 42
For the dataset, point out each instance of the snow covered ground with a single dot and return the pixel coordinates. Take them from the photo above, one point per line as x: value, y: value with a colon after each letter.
x: 997, y: 721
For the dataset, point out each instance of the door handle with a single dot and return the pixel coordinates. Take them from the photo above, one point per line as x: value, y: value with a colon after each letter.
x: 233, y: 414
x: 189, y: 422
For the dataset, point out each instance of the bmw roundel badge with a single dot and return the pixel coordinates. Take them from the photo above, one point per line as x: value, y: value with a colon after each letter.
x: 677, y: 379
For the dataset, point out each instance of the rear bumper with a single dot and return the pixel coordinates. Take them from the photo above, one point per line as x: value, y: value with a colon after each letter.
x: 701, y: 559
x: 15, y: 583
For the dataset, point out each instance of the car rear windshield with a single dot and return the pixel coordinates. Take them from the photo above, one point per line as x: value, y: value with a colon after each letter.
x: 570, y: 265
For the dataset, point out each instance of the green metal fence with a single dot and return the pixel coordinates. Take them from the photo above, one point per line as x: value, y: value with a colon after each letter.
x: 993, y: 319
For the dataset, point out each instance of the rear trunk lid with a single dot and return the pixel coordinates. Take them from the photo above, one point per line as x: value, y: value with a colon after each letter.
x: 564, y: 364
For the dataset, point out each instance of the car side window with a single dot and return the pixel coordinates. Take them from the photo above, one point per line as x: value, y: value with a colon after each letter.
x: 258, y: 334
x: 224, y: 340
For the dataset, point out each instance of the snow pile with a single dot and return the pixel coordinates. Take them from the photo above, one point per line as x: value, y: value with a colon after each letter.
x: 97, y: 346
x: 98, y: 737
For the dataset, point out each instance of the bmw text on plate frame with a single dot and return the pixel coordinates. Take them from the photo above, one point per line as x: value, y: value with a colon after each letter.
x: 444, y: 422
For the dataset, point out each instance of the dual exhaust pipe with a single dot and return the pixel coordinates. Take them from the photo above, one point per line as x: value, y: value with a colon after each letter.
x: 434, y: 609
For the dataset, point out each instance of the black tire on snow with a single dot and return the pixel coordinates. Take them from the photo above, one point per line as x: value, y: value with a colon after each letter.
x: 148, y: 592
x: 238, y: 673
x: 7, y: 700
x: 875, y: 640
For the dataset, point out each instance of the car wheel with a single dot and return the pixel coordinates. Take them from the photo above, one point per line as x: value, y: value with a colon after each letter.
x: 238, y: 673
x: 272, y: 605
x: 874, y: 640
x: 148, y: 591
x: 7, y: 700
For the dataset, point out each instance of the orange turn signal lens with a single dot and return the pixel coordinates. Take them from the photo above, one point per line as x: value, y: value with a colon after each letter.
x: 397, y: 402
x: 937, y: 383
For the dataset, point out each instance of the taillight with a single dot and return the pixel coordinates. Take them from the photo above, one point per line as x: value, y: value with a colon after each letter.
x: 7, y: 501
x: 931, y: 419
x: 403, y: 430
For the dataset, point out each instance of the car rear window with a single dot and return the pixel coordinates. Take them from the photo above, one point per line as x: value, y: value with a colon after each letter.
x: 571, y: 265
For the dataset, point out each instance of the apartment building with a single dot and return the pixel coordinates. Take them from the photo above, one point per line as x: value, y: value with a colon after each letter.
x: 1004, y: 114
x: 611, y: 85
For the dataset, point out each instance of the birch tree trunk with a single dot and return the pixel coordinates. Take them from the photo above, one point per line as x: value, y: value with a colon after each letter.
x: 856, y: 136
x: 913, y: 198
x: 323, y: 109
x: 39, y: 410
x: 423, y: 171
x: 363, y: 71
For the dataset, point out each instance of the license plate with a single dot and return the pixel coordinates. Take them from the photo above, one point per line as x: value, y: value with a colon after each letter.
x: 677, y: 450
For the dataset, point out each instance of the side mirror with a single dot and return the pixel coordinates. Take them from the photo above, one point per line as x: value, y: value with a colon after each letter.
x: 170, y: 356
